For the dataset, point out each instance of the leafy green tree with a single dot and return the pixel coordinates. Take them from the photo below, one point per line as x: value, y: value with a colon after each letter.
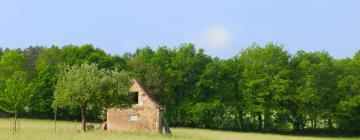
x: 115, y: 89
x: 31, y: 54
x: 347, y: 117
x: 49, y: 58
x: 13, y: 83
x: 217, y: 96
x: 315, y: 86
x: 79, y: 86
x: 41, y: 102
x: 47, y: 65
x: 261, y: 89
x: 77, y: 55
x: 86, y: 85
x: 11, y: 62
x: 265, y: 79
x: 185, y: 70
x: 15, y: 98
x: 171, y: 75
x: 151, y: 69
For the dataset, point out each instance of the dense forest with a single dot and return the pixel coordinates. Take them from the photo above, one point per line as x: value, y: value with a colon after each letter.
x: 262, y: 89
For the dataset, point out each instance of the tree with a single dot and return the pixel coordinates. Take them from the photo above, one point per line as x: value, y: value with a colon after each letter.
x: 50, y: 58
x: 78, y: 86
x: 85, y: 85
x: 217, y: 98
x: 171, y: 75
x: 41, y: 102
x: 150, y: 68
x: 185, y: 70
x: 265, y: 78
x: 47, y: 65
x: 31, y: 54
x: 15, y: 90
x: 314, y: 82
x: 348, y: 109
x: 11, y: 62
x: 261, y: 89
x: 77, y: 55
x: 15, y: 96
x: 115, y: 91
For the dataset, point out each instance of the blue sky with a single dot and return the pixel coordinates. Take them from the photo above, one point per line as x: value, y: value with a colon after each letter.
x: 221, y: 27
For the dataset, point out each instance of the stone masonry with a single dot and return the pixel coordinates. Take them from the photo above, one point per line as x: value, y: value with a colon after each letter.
x: 146, y: 115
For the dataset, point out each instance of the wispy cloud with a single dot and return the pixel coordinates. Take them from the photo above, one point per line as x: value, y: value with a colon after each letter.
x: 217, y: 37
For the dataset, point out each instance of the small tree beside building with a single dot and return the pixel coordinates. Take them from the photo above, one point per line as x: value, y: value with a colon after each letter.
x: 85, y: 85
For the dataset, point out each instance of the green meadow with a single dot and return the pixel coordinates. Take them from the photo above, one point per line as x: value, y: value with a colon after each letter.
x: 44, y: 130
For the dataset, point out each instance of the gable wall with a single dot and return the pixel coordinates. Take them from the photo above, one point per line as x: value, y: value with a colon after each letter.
x: 148, y: 113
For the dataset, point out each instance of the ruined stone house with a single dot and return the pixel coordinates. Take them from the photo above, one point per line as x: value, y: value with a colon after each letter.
x: 144, y: 115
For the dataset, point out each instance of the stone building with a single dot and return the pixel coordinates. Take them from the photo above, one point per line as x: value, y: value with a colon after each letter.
x: 145, y: 115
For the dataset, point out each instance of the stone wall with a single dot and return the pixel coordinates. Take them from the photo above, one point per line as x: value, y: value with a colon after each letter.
x: 145, y: 116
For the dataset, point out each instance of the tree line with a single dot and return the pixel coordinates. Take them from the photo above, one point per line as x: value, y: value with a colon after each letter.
x: 262, y: 89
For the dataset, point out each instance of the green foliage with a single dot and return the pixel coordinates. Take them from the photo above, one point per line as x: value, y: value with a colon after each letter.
x: 348, y: 109
x: 115, y: 89
x: 314, y: 86
x: 86, y: 86
x: 15, y: 88
x: 78, y: 85
x: 49, y: 58
x: 262, y: 89
x: 265, y: 81
x: 11, y: 62
x: 16, y: 96
x: 41, y: 103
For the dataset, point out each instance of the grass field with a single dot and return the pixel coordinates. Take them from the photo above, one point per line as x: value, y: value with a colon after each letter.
x: 44, y: 130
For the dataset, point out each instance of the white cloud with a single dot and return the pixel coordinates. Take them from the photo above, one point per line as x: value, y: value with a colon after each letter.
x: 217, y: 37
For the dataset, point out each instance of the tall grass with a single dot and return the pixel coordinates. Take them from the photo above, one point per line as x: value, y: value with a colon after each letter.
x: 44, y: 130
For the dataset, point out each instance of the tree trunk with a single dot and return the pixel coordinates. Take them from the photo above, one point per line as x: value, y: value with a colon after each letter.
x: 178, y: 117
x: 14, y: 124
x: 241, y: 119
x: 260, y: 122
x: 330, y: 125
x: 55, y: 115
x: 166, y: 126
x: 83, y: 122
x: 15, y: 120
x: 254, y: 122
x: 105, y: 115
x: 17, y: 123
x: 267, y: 112
x: 267, y: 123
